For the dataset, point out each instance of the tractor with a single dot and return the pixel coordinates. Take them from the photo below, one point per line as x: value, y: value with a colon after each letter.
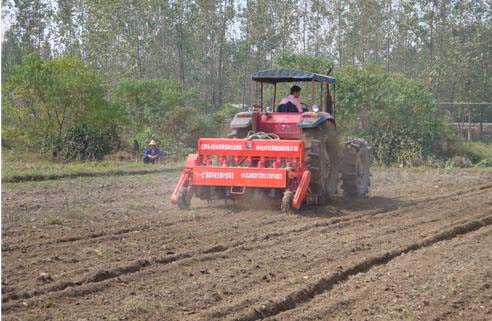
x: 290, y: 156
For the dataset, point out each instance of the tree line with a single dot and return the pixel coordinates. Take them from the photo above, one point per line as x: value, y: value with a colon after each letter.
x: 214, y: 45
x: 169, y: 69
x: 62, y: 106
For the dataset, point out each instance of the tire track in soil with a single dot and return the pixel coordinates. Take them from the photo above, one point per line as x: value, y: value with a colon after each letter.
x: 244, y: 303
x: 145, y: 227
x: 331, y: 304
x: 138, y: 265
x: 101, y: 279
x: 353, y: 218
x: 94, y: 235
x: 325, y: 284
x: 110, y: 234
x: 11, y: 293
x: 103, y: 275
x: 99, y: 235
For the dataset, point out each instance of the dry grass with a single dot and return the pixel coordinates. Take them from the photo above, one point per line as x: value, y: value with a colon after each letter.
x: 51, y: 219
x: 31, y: 165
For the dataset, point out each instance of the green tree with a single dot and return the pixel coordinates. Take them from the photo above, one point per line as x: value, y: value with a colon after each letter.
x: 290, y: 59
x: 30, y: 31
x: 214, y: 46
x: 160, y: 109
x: 43, y: 98
x: 397, y: 115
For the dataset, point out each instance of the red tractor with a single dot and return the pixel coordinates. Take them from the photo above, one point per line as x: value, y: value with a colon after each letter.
x: 291, y: 156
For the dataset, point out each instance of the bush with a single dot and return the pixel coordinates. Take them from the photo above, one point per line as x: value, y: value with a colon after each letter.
x: 160, y: 109
x: 82, y: 142
x: 398, y: 116
x: 44, y: 100
x: 458, y: 162
x: 183, y: 127
x: 484, y: 163
x: 476, y: 152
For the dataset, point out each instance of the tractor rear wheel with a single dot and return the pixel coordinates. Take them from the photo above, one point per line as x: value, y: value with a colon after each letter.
x: 322, y: 154
x: 355, y: 164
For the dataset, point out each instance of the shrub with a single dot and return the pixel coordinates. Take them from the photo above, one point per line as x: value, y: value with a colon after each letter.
x: 44, y: 98
x: 476, y: 152
x: 398, y: 116
x: 484, y: 163
x: 458, y: 162
x: 162, y: 110
x: 83, y: 142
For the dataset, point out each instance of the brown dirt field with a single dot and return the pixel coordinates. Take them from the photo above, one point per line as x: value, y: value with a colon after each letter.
x: 114, y: 248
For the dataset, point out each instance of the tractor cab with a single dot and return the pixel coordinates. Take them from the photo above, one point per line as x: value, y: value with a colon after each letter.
x: 269, y: 115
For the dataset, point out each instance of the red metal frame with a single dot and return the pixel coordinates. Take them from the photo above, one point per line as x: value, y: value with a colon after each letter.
x: 301, y: 190
x: 183, y: 182
x: 239, y: 176
x: 282, y: 124
x: 239, y: 164
x: 251, y: 148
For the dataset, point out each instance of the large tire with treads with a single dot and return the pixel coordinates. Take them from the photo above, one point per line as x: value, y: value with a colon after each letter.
x: 322, y: 153
x: 356, y: 160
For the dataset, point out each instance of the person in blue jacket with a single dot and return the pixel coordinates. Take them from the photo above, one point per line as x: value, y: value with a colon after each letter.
x: 152, y: 154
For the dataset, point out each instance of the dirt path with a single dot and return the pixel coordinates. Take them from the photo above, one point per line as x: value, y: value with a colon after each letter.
x: 114, y: 248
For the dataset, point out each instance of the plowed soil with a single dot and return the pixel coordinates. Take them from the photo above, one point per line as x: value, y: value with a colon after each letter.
x: 114, y: 248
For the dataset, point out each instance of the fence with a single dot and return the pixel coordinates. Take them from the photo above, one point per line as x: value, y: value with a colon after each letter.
x: 473, y: 121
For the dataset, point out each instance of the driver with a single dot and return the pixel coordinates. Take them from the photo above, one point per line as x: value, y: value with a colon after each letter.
x: 293, y: 99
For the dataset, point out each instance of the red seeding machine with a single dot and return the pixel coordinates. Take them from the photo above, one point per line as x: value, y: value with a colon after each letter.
x: 288, y: 155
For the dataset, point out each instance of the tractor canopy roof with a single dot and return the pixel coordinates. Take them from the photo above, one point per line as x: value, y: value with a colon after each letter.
x: 290, y: 75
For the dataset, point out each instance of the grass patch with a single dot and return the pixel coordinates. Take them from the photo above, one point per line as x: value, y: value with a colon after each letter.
x: 100, y: 250
x: 138, y: 306
x: 52, y: 219
x: 76, y: 214
x: 471, y: 154
x: 297, y: 281
x: 477, y: 152
x: 25, y: 165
